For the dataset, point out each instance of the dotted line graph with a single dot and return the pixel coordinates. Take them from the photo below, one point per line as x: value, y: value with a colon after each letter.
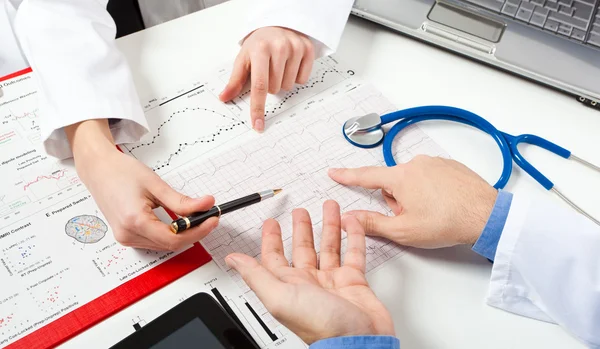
x: 219, y: 131
x: 182, y: 146
x: 235, y: 121
x: 311, y: 83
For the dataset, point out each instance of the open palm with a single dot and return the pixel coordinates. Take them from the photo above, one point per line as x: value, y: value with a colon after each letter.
x: 316, y: 300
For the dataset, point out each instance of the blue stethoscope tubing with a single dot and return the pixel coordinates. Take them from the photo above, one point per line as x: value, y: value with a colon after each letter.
x: 506, y: 142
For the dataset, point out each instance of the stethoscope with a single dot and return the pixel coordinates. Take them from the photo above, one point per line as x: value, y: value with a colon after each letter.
x: 367, y: 132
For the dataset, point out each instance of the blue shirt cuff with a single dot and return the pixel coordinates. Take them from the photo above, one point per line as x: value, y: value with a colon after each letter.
x: 358, y: 342
x: 487, y: 243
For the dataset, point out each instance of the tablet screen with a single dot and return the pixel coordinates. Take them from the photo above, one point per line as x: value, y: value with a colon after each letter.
x: 192, y: 335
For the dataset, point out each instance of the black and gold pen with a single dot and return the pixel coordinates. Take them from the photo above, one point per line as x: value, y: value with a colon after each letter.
x: 197, y: 218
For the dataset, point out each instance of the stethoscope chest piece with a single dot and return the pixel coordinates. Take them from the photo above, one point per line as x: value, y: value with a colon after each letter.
x: 364, y: 131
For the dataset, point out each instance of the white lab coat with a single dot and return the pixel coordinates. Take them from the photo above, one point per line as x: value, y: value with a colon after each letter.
x: 547, y: 267
x: 547, y: 264
x: 82, y: 75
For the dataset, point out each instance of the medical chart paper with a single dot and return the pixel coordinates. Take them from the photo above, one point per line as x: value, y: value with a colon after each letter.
x: 57, y: 252
x: 303, y: 138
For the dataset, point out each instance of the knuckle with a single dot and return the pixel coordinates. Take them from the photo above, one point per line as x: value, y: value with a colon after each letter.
x: 132, y: 221
x: 297, y: 46
x: 369, y: 223
x: 421, y: 158
x: 330, y: 250
x: 173, y: 245
x: 282, y: 46
x: 332, y: 226
x: 122, y: 238
x: 309, y: 48
x: 355, y: 250
x: 184, y: 199
x: 262, y: 45
x: 260, y: 85
x: 257, y: 110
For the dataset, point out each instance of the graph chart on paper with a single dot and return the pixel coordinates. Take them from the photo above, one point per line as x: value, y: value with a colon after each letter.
x: 295, y: 155
x: 51, y: 294
x: 11, y: 319
x: 118, y: 261
x: 192, y: 120
x: 31, y: 179
x: 24, y: 257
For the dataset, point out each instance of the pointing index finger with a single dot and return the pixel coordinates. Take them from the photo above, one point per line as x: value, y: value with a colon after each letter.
x: 372, y: 177
x: 259, y: 75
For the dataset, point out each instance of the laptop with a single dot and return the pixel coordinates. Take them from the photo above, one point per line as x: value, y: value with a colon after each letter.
x: 553, y: 42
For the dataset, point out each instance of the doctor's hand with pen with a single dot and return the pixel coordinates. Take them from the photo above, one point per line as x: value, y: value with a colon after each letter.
x: 127, y: 191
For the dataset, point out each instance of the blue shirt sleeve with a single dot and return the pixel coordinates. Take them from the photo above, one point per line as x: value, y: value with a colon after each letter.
x: 487, y: 243
x: 358, y: 342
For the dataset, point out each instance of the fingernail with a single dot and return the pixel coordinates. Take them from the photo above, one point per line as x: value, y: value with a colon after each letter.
x: 349, y: 214
x: 231, y: 262
x: 259, y: 125
x: 333, y: 170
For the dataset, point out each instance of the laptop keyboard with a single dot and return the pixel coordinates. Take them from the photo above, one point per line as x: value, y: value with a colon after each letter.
x: 578, y: 20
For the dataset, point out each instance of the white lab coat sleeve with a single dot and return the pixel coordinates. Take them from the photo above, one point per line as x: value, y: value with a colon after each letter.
x: 547, y: 266
x: 321, y: 20
x: 81, y: 74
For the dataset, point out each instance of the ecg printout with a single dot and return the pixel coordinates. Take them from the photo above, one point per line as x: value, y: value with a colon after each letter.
x: 49, y: 271
x: 201, y: 146
x: 295, y: 155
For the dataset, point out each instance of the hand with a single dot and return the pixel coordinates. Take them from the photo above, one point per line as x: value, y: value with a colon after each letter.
x: 316, y: 300
x: 126, y: 191
x: 436, y: 202
x: 276, y: 58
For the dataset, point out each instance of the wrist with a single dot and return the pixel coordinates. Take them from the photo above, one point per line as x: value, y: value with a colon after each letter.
x: 481, y: 212
x: 90, y: 141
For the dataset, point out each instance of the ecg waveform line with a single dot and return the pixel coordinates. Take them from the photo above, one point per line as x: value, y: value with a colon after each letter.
x: 295, y: 156
x: 25, y: 114
x: 60, y: 174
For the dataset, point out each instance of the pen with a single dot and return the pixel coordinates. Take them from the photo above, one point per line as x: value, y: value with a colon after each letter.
x: 197, y: 218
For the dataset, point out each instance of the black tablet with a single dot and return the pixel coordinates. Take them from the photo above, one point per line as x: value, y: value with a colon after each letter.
x: 197, y: 322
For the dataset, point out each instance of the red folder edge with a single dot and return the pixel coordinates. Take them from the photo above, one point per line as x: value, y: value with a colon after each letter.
x: 89, y: 314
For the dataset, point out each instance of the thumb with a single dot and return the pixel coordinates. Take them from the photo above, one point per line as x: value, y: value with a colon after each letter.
x: 268, y: 287
x: 238, y: 78
x: 181, y: 204
x: 377, y: 224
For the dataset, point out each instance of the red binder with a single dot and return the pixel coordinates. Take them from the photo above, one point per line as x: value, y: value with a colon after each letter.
x: 84, y: 317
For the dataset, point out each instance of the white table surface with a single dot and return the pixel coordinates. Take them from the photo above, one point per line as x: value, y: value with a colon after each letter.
x: 436, y: 297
